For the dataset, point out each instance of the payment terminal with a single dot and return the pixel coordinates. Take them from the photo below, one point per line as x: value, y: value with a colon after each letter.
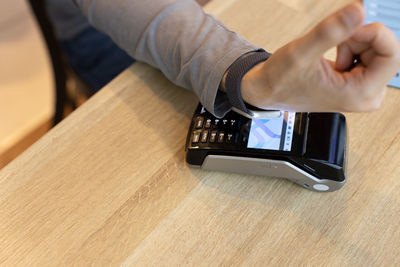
x: 306, y: 148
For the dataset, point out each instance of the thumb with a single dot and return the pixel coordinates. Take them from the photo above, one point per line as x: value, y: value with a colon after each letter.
x: 332, y: 31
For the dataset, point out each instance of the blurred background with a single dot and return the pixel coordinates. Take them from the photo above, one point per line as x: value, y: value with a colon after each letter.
x: 26, y: 80
x: 43, y: 79
x: 38, y: 88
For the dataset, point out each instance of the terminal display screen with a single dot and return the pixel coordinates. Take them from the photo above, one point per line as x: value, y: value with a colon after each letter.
x: 273, y: 133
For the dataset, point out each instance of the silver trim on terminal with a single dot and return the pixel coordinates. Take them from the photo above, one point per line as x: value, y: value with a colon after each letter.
x: 272, y: 168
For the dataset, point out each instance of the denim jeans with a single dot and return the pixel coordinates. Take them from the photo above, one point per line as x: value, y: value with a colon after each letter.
x: 95, y: 58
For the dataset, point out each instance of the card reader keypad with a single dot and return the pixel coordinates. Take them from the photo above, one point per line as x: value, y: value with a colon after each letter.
x: 210, y: 131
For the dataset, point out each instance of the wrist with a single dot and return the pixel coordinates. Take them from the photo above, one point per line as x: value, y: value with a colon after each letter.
x: 255, y: 87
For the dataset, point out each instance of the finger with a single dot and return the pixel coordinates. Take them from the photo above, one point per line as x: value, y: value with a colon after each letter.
x: 379, y: 37
x: 347, y: 51
x: 332, y: 31
x: 344, y: 57
x: 367, y: 42
x: 383, y: 55
x: 367, y: 56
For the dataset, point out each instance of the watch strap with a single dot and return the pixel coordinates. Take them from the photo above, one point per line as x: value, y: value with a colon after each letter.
x: 235, y: 75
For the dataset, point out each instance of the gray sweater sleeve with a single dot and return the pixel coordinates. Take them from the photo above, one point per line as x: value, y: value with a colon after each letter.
x: 192, y: 49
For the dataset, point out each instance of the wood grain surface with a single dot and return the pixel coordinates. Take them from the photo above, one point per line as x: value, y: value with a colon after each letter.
x: 110, y: 186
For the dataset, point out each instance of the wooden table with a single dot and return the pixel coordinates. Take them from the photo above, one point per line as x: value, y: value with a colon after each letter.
x: 110, y: 186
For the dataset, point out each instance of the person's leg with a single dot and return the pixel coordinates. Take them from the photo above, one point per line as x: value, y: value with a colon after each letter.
x: 95, y: 58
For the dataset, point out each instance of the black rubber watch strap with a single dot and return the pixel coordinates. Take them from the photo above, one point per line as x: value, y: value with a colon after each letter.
x: 235, y: 75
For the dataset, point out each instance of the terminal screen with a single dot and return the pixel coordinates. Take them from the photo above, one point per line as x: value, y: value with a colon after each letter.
x: 273, y: 133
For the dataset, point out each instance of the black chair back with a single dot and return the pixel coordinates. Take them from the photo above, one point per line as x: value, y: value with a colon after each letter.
x: 39, y: 10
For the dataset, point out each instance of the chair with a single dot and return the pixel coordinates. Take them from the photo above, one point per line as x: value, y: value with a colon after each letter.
x: 62, y: 98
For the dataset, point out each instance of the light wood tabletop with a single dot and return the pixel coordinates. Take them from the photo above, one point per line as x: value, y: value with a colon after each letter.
x: 110, y: 186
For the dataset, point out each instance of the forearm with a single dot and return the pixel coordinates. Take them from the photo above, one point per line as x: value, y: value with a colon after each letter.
x: 191, y: 48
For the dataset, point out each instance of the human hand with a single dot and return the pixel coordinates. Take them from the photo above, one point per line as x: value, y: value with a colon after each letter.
x: 297, y: 77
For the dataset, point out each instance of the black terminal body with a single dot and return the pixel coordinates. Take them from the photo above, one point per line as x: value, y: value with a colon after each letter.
x: 318, y: 145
